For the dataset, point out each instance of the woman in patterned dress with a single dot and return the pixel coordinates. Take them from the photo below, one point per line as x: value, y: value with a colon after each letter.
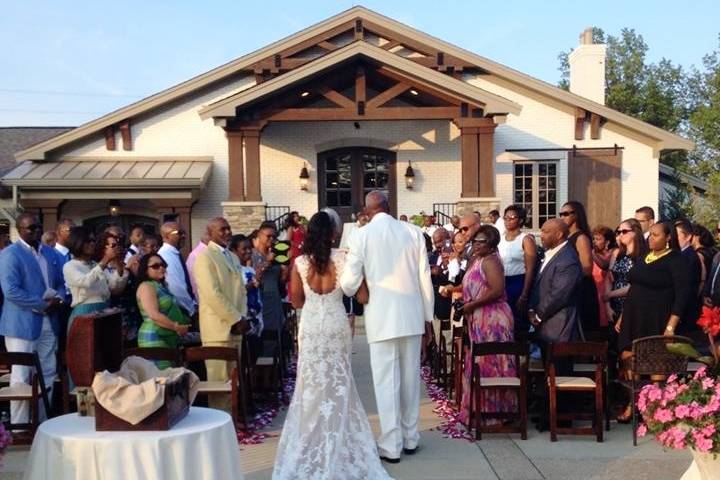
x: 489, y: 319
x: 163, y: 321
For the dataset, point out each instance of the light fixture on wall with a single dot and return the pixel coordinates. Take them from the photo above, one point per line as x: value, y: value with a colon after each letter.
x: 304, y: 178
x: 114, y: 208
x: 409, y: 177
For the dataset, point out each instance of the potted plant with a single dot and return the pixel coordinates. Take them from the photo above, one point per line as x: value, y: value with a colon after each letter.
x: 685, y: 412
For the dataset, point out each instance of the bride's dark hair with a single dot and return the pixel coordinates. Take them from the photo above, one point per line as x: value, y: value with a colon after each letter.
x: 318, y: 241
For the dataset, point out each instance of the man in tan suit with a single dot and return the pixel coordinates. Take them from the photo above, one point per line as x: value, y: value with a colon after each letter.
x: 222, y: 299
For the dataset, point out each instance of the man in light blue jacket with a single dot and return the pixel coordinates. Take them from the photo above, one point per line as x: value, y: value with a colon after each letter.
x: 32, y: 281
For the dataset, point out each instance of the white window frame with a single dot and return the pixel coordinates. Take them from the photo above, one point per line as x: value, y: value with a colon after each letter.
x: 534, y: 216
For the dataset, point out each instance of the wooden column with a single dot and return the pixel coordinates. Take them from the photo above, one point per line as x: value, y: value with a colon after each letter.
x: 252, y: 164
x: 236, y: 174
x: 477, y: 156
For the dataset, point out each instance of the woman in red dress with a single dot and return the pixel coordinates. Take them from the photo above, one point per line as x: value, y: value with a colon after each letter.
x: 295, y: 233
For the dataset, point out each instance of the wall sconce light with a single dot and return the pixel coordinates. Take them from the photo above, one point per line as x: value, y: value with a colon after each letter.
x: 409, y: 177
x: 114, y: 208
x: 304, y: 178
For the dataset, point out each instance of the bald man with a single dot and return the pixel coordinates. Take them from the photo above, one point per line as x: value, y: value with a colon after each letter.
x: 553, y: 306
x: 177, y: 276
x: 392, y: 257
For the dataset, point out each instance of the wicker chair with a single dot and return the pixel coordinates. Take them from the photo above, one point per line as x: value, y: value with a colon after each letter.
x: 650, y: 362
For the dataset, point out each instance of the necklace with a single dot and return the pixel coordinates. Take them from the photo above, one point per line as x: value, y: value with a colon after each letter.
x: 652, y: 256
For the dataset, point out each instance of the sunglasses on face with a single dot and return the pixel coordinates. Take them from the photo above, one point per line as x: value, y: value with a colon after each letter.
x: 567, y: 213
x: 622, y: 231
x: 464, y: 229
x: 157, y: 266
x: 480, y: 241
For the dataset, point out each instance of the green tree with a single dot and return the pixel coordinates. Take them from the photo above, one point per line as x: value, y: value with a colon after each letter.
x: 704, y: 119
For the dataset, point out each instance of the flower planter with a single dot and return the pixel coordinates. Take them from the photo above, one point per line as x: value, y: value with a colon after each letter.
x: 704, y: 467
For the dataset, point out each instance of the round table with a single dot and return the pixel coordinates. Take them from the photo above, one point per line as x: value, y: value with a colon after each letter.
x: 203, y: 445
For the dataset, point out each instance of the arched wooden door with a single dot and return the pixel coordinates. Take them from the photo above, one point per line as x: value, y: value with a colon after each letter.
x: 346, y: 175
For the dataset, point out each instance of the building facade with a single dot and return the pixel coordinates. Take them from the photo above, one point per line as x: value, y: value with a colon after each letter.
x: 349, y: 104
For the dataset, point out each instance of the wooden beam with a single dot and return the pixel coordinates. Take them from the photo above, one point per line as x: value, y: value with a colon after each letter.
x: 384, y: 97
x: 327, y: 46
x: 360, y: 90
x: 110, y: 138
x: 252, y: 164
x: 579, y: 123
x: 387, y: 113
x: 387, y: 72
x: 594, y: 126
x: 236, y: 168
x: 391, y: 44
x: 337, y: 98
x: 359, y: 29
x: 126, y: 135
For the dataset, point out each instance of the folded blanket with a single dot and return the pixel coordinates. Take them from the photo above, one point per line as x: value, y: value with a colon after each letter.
x: 137, y: 390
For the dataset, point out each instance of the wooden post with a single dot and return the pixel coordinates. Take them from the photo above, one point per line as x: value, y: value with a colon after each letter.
x: 126, y: 135
x: 579, y: 123
x: 236, y: 169
x: 469, y: 162
x: 252, y: 164
x: 477, y: 156
x: 486, y: 160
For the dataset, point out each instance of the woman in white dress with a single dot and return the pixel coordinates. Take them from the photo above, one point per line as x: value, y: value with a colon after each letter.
x: 326, y: 433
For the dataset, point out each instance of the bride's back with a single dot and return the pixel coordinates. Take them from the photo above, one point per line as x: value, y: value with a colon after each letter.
x: 321, y: 283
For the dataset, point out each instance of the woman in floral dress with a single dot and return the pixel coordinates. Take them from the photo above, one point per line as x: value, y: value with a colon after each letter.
x: 489, y: 319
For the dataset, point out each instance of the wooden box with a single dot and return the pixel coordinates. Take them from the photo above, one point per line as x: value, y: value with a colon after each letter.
x: 94, y: 344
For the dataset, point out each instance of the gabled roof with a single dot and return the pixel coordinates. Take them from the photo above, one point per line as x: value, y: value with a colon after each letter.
x: 667, y: 140
x: 14, y: 139
x: 492, y: 104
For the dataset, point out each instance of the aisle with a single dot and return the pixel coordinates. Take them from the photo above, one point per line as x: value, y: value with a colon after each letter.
x: 438, y: 457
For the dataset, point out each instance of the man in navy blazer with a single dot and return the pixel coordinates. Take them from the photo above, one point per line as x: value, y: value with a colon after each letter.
x: 553, y: 306
x: 31, y: 278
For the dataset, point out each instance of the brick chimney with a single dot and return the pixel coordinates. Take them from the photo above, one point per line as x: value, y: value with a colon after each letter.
x: 587, y: 68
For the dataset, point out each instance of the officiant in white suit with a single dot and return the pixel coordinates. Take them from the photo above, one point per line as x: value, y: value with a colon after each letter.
x: 392, y: 258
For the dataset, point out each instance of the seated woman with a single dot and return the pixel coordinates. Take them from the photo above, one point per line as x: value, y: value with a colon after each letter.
x: 489, y: 319
x: 163, y: 321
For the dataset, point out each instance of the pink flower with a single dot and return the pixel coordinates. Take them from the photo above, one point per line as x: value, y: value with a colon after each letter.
x: 700, y: 373
x: 675, y: 438
x: 654, y: 393
x: 641, y: 430
x: 713, y: 406
x: 708, y: 430
x: 670, y: 393
x: 682, y: 411
x: 671, y: 379
x: 708, y: 382
x: 702, y: 443
x: 663, y: 415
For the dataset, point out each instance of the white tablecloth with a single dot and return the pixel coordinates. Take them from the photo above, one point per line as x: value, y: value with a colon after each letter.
x: 201, y: 446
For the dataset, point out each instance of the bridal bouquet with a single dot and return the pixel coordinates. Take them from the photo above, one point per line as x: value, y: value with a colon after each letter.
x: 685, y: 413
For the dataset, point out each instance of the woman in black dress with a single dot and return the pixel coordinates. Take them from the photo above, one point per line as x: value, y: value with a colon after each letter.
x: 658, y: 292
x: 574, y: 216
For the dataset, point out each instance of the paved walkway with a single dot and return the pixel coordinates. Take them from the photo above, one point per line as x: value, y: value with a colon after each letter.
x: 503, y: 457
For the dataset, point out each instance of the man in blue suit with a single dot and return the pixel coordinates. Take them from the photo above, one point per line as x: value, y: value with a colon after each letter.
x: 31, y: 278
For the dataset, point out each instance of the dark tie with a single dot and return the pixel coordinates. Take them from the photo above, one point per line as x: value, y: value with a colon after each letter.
x: 188, y: 285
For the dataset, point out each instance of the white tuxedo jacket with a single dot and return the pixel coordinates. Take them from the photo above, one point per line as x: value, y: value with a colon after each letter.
x: 391, y: 255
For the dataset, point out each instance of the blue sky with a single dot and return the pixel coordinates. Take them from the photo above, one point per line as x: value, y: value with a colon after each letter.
x: 67, y: 62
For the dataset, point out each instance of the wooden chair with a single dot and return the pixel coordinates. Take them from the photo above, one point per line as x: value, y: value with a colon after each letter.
x: 458, y: 358
x: 234, y: 387
x: 517, y: 383
x: 269, y: 367
x: 444, y: 358
x: 33, y: 392
x: 597, y: 354
x: 154, y: 354
x: 652, y: 362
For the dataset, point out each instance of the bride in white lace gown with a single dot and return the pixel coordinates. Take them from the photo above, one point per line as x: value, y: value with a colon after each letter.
x: 326, y: 433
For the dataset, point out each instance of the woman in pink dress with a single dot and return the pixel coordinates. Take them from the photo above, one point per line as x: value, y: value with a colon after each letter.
x: 489, y: 319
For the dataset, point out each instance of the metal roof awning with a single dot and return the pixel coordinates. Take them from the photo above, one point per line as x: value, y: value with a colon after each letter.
x: 126, y: 174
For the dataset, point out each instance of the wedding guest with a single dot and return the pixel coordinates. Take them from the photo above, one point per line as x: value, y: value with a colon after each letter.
x: 223, y: 300
x: 403, y: 218
x: 646, y: 217
x: 631, y: 249
x: 177, y: 275
x: 489, y: 319
x: 295, y: 233
x: 428, y: 226
x: 31, y: 279
x: 241, y: 246
x: 518, y: 252
x: 603, y: 247
x: 137, y: 235
x: 190, y: 262
x: 553, y: 302
x: 163, y: 320
x: 469, y: 225
x: 457, y: 263
x: 454, y: 224
x: 151, y: 244
x: 62, y: 236
x: 62, y: 233
x: 439, y: 258
x: 658, y: 294
x: 704, y: 244
x: 711, y: 292
x: 272, y: 277
x: 573, y: 214
x: 695, y: 272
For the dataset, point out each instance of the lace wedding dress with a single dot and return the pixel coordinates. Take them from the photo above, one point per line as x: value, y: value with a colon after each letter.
x: 326, y: 433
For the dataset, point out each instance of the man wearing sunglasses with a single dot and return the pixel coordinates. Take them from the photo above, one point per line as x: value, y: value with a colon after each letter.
x: 31, y: 278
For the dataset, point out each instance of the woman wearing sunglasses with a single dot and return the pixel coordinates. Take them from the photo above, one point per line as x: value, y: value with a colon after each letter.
x: 489, y: 319
x: 163, y: 320
x: 631, y: 247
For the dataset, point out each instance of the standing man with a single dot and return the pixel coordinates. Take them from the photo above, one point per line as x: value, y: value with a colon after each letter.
x: 223, y: 299
x: 392, y: 258
x: 646, y: 217
x: 190, y: 262
x: 553, y: 306
x: 31, y: 278
x: 468, y: 228
x: 177, y: 276
x: 62, y: 233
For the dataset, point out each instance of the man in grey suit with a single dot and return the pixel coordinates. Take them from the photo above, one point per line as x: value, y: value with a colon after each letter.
x: 553, y: 306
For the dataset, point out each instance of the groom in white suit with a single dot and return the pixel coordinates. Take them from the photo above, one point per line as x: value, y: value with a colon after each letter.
x: 392, y: 258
